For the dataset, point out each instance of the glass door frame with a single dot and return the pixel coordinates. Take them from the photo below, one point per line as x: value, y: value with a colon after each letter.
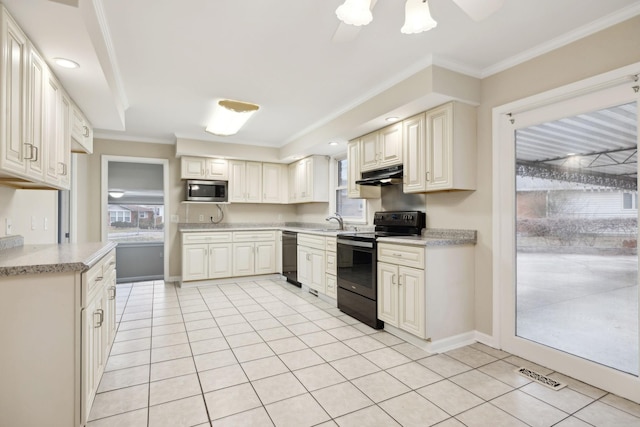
x: 104, y: 198
x: 598, y: 92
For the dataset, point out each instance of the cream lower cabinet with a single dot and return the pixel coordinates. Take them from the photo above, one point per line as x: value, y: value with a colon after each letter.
x: 56, y: 329
x: 401, y: 287
x: 312, y: 261
x: 206, y: 256
x: 221, y: 254
x: 331, y: 283
x: 254, y: 252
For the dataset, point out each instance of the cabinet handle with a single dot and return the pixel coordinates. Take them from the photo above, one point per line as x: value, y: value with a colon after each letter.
x: 99, y: 278
x: 393, y: 279
x: 397, y: 254
x: 427, y: 175
x: 85, y: 131
x: 32, y: 153
x: 63, y: 167
x: 400, y: 280
x: 100, y: 313
x: 112, y: 290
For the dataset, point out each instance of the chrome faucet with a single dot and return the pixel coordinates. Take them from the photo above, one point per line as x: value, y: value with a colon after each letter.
x: 338, y: 218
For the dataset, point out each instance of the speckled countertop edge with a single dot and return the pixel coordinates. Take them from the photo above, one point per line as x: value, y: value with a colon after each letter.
x: 430, y: 236
x: 40, y: 259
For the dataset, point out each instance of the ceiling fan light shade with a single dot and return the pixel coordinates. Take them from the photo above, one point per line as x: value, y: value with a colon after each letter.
x: 355, y: 12
x: 116, y: 194
x: 417, y: 17
x: 229, y: 116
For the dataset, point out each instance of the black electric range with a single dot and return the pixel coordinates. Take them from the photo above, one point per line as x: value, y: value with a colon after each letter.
x: 357, y: 258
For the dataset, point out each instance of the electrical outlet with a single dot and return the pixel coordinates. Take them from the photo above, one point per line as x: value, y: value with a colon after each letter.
x: 8, y: 226
x: 201, y: 218
x: 33, y: 222
x: 45, y: 224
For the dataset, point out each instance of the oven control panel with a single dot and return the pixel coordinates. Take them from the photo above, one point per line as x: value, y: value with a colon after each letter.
x: 401, y: 218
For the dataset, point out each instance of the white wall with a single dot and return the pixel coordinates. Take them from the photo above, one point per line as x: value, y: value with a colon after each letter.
x: 21, y: 205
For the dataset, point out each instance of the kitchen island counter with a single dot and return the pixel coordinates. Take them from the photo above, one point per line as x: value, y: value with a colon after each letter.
x: 52, y: 258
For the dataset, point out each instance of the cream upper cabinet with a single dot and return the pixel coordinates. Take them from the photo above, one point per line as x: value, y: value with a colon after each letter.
x: 440, y: 149
x: 81, y: 132
x: 245, y: 182
x: 355, y: 191
x: 382, y: 148
x: 36, y: 126
x: 414, y: 156
x: 35, y: 116
x: 309, y: 180
x: 12, y: 96
x: 203, y: 168
x: 451, y: 147
x: 275, y: 186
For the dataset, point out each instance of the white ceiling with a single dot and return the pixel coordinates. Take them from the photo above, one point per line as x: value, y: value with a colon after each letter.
x: 151, y: 70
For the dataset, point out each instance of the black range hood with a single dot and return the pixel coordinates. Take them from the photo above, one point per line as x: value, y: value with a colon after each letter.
x: 386, y: 176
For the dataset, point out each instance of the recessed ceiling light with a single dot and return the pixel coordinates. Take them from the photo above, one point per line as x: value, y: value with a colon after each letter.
x: 66, y: 63
x: 571, y: 154
x: 392, y: 119
x: 333, y: 143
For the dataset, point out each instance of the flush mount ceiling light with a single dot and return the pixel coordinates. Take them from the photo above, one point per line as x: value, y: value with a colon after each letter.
x: 229, y: 116
x: 66, y: 63
x: 333, y: 143
x: 116, y: 194
x: 392, y: 119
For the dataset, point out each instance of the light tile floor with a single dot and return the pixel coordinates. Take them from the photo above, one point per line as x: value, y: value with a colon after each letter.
x: 264, y: 353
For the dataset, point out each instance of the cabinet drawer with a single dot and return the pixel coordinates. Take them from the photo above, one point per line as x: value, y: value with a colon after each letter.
x: 410, y: 256
x: 217, y: 237
x: 311, y: 241
x: 254, y: 236
x: 332, y: 286
x: 332, y: 245
x: 331, y: 263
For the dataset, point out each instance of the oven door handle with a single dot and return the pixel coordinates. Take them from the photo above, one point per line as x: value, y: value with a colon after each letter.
x: 358, y: 243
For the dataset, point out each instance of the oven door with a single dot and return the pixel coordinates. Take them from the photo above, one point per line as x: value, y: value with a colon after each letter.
x: 357, y: 267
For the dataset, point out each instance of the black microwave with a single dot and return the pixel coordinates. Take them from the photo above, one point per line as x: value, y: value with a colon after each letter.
x: 206, y: 191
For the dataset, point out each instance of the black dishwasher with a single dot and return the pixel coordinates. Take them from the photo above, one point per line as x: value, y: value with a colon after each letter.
x: 290, y: 257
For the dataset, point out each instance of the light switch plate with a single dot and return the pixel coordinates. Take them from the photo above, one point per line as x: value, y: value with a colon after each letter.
x: 8, y: 226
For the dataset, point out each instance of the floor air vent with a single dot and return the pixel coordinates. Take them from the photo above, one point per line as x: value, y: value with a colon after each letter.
x: 541, y: 379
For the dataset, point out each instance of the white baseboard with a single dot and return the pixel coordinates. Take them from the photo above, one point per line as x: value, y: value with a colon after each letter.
x: 226, y: 280
x: 487, y: 340
x: 173, y: 279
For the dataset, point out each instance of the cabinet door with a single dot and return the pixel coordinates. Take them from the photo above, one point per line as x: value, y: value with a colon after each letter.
x: 92, y: 357
x: 388, y: 293
x: 81, y: 132
x: 304, y: 265
x: 237, y: 186
x: 253, y: 182
x: 220, y: 260
x: 64, y: 157
x: 293, y: 184
x: 243, y: 259
x: 35, y: 116
x: 415, y: 161
x: 369, y: 152
x: 318, y: 272
x: 12, y: 121
x: 439, y: 147
x: 192, y: 167
x: 265, y: 261
x: 412, y: 300
x: 195, y: 262
x: 390, y: 145
x: 110, y: 311
x: 273, y: 183
x: 52, y: 144
x: 304, y: 180
x: 217, y: 169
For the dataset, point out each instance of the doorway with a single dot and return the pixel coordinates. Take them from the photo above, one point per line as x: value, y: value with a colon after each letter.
x: 134, y: 206
x: 566, y: 230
